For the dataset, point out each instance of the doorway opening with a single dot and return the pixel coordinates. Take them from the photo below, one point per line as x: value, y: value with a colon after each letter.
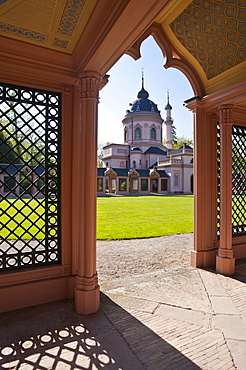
x: 114, y: 106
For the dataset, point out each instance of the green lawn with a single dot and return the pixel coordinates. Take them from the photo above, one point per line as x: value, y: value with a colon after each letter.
x: 15, y: 221
x: 118, y: 217
x: 143, y: 216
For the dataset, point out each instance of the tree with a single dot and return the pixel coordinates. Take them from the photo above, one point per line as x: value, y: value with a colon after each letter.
x: 21, y: 140
x: 100, y: 146
x: 7, y: 153
x: 174, y: 135
x: 180, y: 141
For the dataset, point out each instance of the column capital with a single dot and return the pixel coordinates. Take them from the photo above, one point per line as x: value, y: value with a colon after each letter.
x: 194, y: 104
x: 225, y: 114
x: 89, y: 85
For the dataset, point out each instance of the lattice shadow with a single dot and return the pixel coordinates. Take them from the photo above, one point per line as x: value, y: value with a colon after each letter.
x: 54, y: 336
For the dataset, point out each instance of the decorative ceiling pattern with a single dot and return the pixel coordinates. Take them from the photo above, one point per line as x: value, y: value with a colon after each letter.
x: 25, y: 33
x: 214, y: 32
x: 70, y: 16
x: 56, y: 24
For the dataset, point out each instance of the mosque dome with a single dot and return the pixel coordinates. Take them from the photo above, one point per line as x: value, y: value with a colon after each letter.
x: 143, y: 94
x: 143, y: 104
x: 168, y: 106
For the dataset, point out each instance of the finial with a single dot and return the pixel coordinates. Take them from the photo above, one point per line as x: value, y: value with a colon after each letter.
x: 142, y: 79
x: 168, y: 106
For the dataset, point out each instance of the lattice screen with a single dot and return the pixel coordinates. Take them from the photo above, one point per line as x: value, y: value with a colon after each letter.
x: 29, y: 177
x: 238, y: 180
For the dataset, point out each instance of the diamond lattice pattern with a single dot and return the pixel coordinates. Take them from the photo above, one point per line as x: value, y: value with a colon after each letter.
x: 29, y: 177
x: 238, y: 180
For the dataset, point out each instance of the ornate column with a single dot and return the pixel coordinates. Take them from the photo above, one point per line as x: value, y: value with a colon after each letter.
x: 87, y: 293
x: 205, y: 186
x: 225, y: 263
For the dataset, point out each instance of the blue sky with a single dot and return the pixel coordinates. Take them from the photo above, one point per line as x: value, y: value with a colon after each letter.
x: 124, y: 84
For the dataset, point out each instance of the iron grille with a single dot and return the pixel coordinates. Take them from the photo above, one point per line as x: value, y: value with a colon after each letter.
x: 218, y: 180
x: 238, y: 180
x: 29, y: 177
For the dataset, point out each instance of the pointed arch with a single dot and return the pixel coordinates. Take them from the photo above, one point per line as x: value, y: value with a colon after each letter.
x: 172, y: 57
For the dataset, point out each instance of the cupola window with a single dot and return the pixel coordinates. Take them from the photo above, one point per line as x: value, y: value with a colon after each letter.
x: 126, y: 135
x: 138, y: 133
x: 153, y: 134
x: 176, y: 179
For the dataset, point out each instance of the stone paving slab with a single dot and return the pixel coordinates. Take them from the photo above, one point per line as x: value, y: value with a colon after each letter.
x: 190, y: 316
x: 233, y: 327
x: 175, y: 287
x: 212, y: 284
x: 239, y: 352
x: 223, y: 305
x: 236, y: 290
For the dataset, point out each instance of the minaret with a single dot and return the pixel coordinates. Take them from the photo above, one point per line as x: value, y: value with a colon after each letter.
x: 168, y: 122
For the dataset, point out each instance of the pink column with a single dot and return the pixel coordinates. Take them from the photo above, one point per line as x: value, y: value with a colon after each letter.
x: 87, y: 293
x: 225, y: 263
x: 205, y: 186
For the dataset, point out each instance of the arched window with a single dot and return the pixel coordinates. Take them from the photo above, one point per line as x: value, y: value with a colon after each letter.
x: 176, y: 179
x: 138, y: 133
x: 153, y: 134
x: 122, y: 164
x: 134, y: 164
x: 125, y: 135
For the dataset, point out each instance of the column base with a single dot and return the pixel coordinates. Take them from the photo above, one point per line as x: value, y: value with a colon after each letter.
x: 87, y: 295
x: 203, y: 258
x: 225, y: 266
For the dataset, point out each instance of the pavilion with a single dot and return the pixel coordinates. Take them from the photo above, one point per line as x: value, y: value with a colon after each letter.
x: 54, y: 59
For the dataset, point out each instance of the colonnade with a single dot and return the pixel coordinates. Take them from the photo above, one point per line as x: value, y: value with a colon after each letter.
x: 213, y: 241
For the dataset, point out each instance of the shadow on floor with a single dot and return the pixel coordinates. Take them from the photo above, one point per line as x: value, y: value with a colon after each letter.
x: 54, y: 336
x: 240, y: 270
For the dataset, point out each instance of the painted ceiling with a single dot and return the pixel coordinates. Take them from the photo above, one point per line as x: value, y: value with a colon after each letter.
x: 214, y: 32
x: 56, y: 24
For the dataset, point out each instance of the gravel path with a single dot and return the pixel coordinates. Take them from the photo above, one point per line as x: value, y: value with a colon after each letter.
x: 121, y: 258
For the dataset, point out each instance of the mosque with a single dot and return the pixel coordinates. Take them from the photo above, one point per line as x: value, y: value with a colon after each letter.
x: 142, y: 165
